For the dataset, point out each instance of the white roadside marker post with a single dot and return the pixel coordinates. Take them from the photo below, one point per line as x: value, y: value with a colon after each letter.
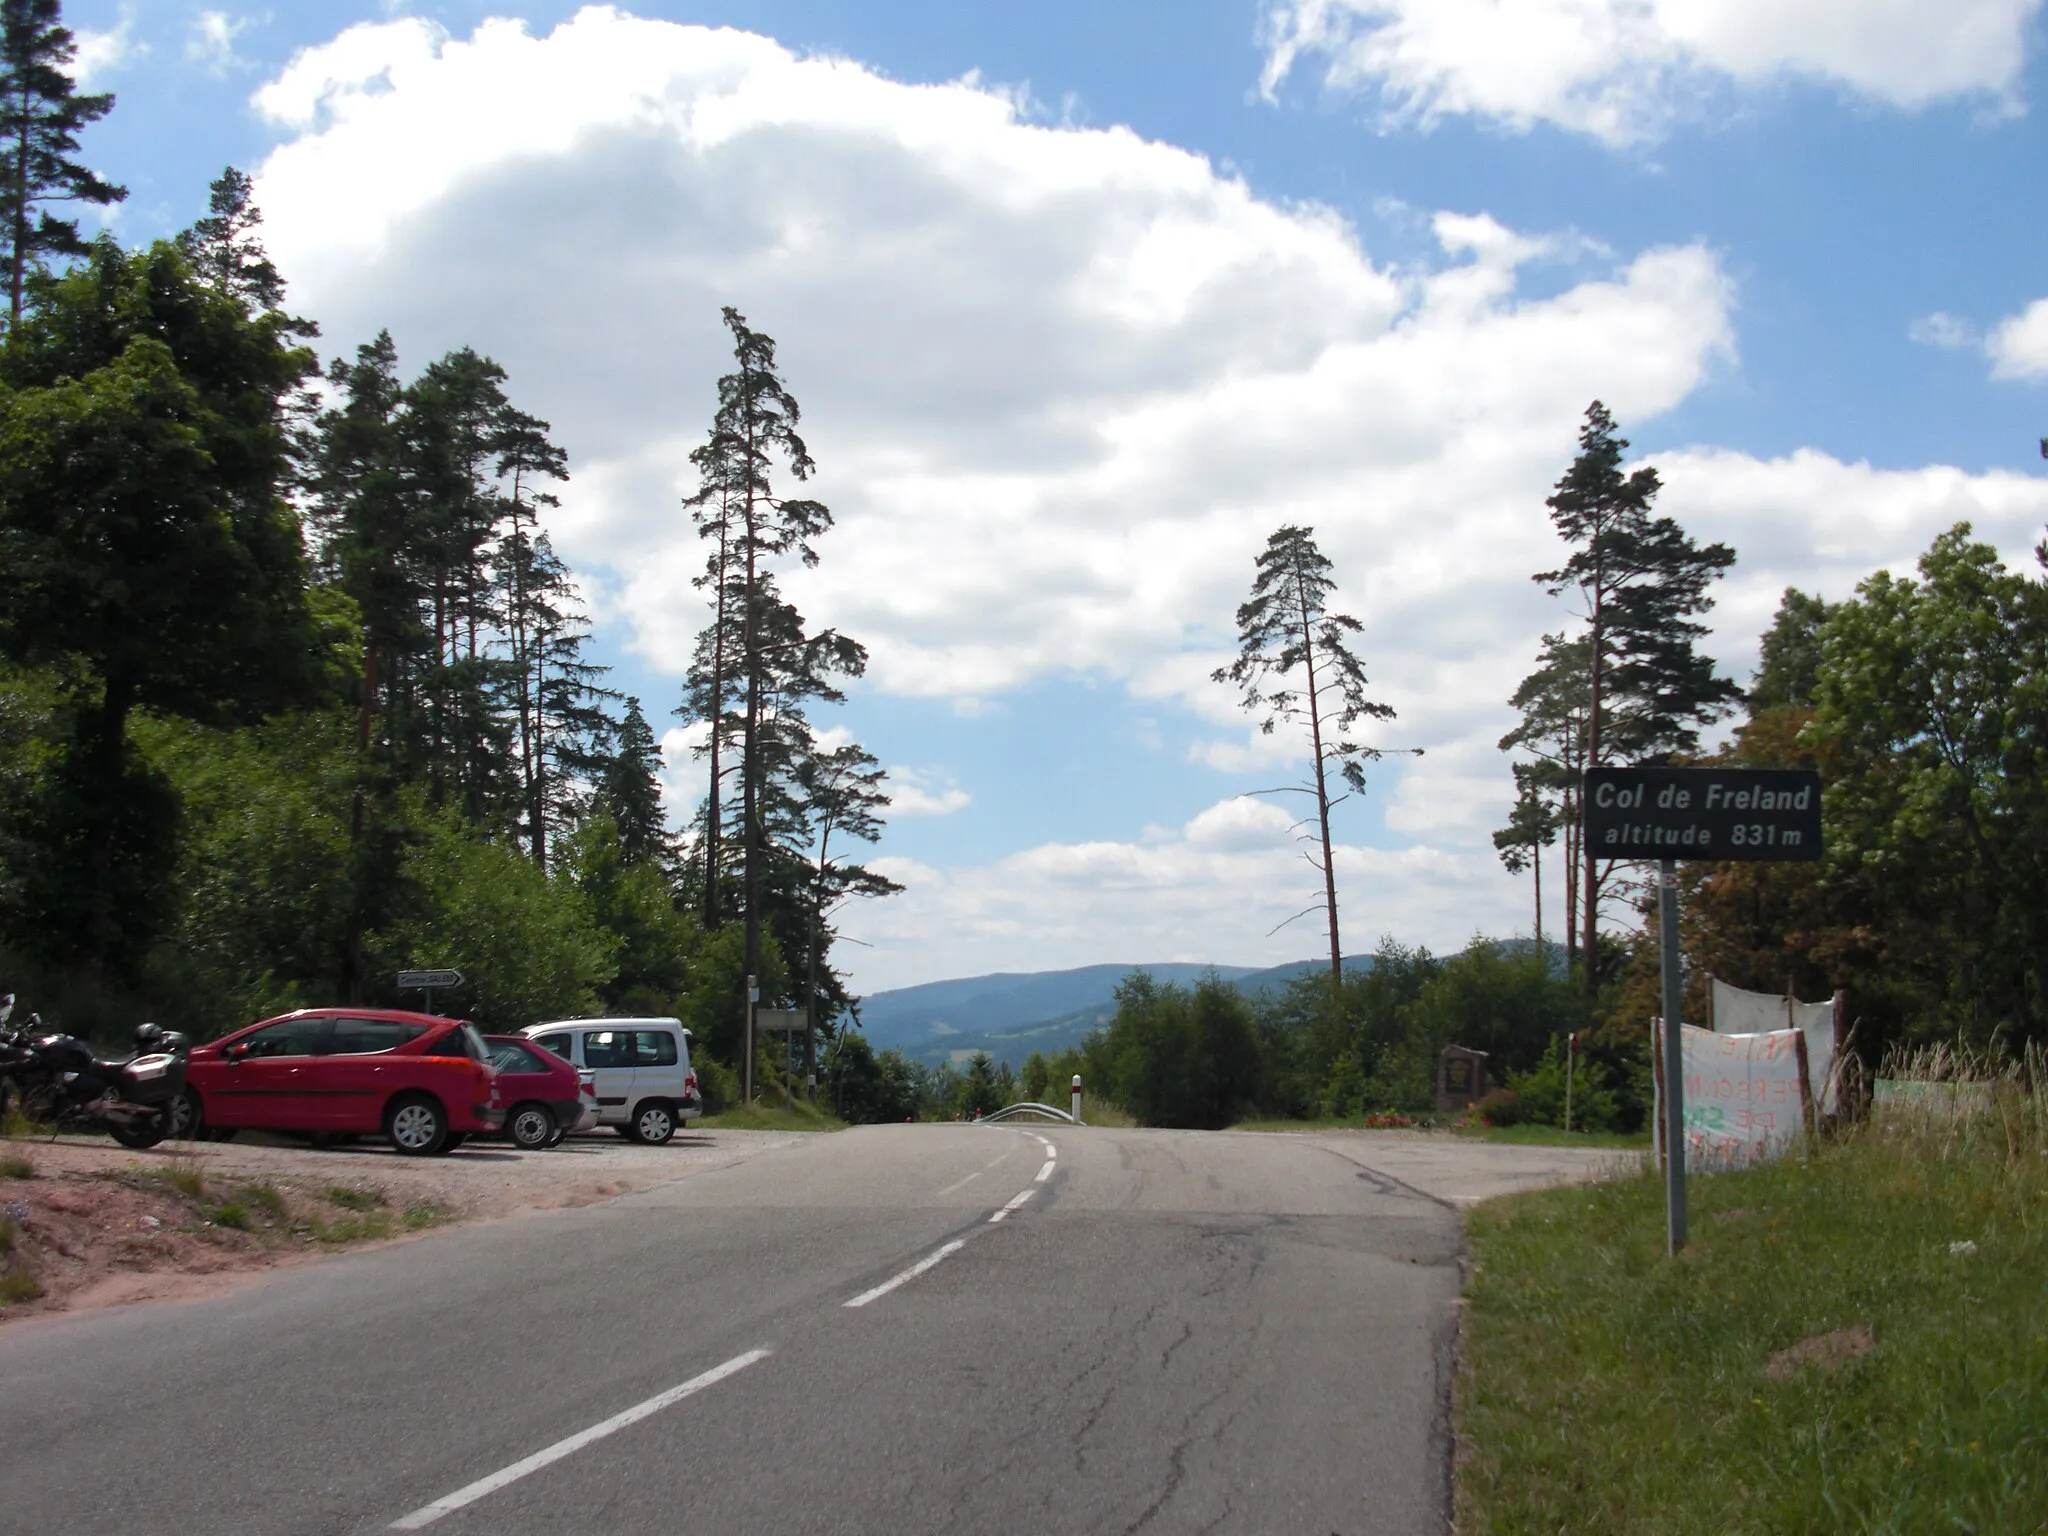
x: 1077, y: 1098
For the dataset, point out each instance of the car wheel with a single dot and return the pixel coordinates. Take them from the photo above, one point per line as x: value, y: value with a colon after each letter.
x: 138, y: 1134
x: 417, y: 1126
x: 531, y: 1127
x: 188, y: 1121
x: 653, y: 1123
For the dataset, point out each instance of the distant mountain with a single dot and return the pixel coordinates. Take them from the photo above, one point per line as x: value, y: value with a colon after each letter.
x: 1011, y: 1015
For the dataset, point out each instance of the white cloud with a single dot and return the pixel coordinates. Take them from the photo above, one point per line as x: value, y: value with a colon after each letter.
x: 925, y: 792
x: 1060, y: 382
x: 211, y: 41
x: 1622, y: 70
x: 1213, y: 891
x: 2018, y: 345
x: 1942, y: 329
x: 102, y: 53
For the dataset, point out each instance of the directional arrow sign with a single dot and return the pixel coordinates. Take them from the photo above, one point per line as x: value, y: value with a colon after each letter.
x: 408, y: 980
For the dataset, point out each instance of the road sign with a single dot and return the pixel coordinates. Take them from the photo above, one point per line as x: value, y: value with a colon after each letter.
x: 1668, y: 814
x: 1703, y: 813
x: 412, y: 980
x: 782, y: 1021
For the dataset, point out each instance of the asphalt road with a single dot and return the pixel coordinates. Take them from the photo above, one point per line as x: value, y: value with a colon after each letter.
x: 1122, y: 1331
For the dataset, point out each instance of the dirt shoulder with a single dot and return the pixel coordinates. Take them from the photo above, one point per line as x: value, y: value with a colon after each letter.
x: 84, y: 1223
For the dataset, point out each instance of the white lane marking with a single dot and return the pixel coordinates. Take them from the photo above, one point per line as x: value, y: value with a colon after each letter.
x: 963, y: 1183
x: 427, y: 1514
x: 1045, y: 1171
x: 923, y: 1264
x: 1014, y: 1203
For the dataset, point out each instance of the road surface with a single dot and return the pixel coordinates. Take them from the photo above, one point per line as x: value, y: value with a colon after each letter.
x: 895, y: 1329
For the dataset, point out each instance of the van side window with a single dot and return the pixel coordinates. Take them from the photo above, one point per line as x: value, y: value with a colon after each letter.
x: 653, y: 1048
x: 559, y: 1044
x: 608, y: 1048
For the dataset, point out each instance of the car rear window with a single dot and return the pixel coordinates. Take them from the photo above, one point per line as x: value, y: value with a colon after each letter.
x: 653, y: 1048
x: 559, y: 1044
x: 516, y: 1057
x: 460, y: 1041
x: 608, y: 1048
x: 365, y: 1037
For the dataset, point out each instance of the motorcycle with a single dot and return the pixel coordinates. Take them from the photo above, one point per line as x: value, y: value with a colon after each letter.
x: 54, y: 1079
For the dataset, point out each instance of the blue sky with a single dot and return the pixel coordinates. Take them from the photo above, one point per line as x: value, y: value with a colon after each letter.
x: 1356, y: 264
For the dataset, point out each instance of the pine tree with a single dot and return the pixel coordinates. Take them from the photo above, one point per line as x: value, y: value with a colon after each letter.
x: 629, y: 789
x: 1531, y: 828
x: 1640, y: 582
x: 1284, y: 628
x: 843, y: 796
x: 224, y: 250
x: 735, y: 505
x: 1552, y: 703
x: 41, y: 114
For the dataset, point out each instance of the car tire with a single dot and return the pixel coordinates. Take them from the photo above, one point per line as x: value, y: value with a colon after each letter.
x: 417, y: 1126
x: 188, y: 1118
x: 142, y: 1133
x: 654, y: 1122
x: 531, y: 1127
x: 455, y: 1139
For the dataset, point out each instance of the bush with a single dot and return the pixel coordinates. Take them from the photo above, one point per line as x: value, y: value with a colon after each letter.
x: 1500, y: 1107
x: 1539, y: 1093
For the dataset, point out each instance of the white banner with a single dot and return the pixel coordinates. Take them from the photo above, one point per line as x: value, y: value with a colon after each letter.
x: 1737, y: 1012
x: 1742, y: 1097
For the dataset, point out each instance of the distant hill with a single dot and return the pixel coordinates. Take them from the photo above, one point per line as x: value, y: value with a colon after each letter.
x: 1010, y: 1015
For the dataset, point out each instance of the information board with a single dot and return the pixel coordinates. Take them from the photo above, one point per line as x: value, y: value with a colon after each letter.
x: 1751, y: 814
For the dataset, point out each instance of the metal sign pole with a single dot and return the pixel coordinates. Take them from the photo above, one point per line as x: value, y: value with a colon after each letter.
x: 747, y: 1065
x: 1674, y: 1058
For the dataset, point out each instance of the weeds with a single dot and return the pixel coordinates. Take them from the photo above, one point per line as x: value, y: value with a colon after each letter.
x: 18, y: 1285
x: 1921, y: 1234
x: 14, y: 1165
x: 354, y: 1199
x: 233, y: 1214
x: 9, y: 1234
x: 265, y: 1196
x: 189, y: 1182
x: 426, y: 1213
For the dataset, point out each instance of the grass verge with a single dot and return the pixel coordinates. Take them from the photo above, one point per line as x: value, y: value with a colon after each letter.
x: 1858, y: 1342
x: 767, y: 1116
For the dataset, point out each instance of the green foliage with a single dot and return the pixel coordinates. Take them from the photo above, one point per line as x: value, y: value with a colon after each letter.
x: 526, y: 941
x: 1540, y: 1092
x: 869, y: 1088
x: 1180, y: 1056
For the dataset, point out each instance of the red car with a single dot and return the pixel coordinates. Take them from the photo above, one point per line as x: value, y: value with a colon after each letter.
x: 423, y: 1081
x: 547, y: 1097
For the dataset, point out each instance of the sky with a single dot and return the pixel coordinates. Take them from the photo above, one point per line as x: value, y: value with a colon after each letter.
x: 1083, y: 298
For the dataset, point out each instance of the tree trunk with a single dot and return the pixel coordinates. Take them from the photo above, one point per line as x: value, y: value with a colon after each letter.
x: 1315, y: 734
x: 1589, y: 935
x: 1536, y: 853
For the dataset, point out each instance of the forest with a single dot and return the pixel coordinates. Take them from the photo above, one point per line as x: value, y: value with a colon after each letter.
x: 295, y: 691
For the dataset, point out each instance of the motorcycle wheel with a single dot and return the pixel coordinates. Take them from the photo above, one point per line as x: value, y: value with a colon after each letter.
x: 142, y: 1133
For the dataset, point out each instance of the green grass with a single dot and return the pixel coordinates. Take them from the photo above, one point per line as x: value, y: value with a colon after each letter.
x: 187, y: 1181
x: 18, y: 1285
x: 767, y: 1116
x: 354, y: 1199
x: 1551, y: 1136
x: 426, y: 1213
x: 13, y: 1165
x: 232, y: 1213
x: 1606, y: 1388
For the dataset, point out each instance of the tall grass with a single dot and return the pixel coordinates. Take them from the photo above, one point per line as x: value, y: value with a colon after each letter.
x: 1607, y: 1388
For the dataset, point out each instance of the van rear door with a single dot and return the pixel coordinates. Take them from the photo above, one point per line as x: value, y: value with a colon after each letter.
x: 608, y: 1054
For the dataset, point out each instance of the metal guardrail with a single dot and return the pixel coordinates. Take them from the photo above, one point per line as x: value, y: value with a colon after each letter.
x: 1043, y: 1111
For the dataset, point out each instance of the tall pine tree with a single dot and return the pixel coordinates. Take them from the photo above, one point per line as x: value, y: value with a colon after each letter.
x: 41, y: 113
x: 1641, y: 582
x: 1289, y: 641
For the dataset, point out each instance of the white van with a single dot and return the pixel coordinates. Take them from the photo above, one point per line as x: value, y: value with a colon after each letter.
x: 645, y: 1085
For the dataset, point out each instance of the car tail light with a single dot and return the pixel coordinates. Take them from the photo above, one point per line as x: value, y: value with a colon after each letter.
x: 690, y: 1084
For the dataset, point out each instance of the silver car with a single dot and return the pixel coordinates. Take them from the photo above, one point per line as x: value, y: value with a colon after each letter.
x: 645, y: 1085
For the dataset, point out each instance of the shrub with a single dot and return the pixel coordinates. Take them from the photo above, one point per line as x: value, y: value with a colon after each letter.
x: 1500, y: 1107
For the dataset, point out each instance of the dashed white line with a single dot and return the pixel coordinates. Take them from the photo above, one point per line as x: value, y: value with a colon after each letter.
x: 1015, y: 1201
x: 928, y: 1261
x: 427, y: 1514
x: 1045, y: 1171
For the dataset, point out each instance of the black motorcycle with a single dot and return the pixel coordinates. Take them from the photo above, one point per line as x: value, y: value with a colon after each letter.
x: 56, y: 1080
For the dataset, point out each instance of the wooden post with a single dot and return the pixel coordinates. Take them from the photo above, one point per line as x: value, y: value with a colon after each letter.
x: 1805, y: 1091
